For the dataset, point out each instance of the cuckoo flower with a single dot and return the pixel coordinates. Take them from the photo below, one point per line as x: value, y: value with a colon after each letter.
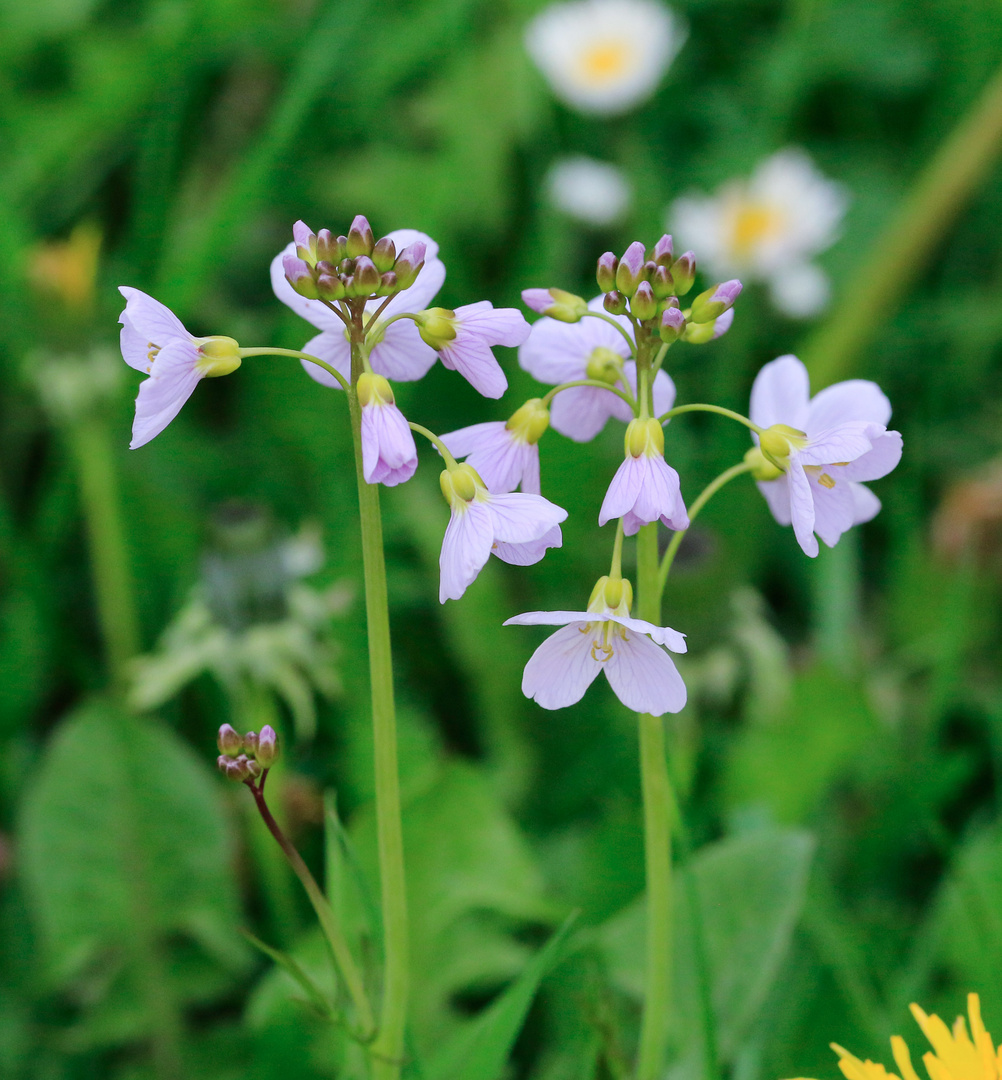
x: 154, y: 341
x: 815, y: 451
x: 504, y: 453
x: 389, y: 455
x: 396, y: 351
x: 557, y: 352
x: 645, y: 487
x: 593, y: 192
x: 604, y: 638
x: 463, y: 340
x: 518, y: 528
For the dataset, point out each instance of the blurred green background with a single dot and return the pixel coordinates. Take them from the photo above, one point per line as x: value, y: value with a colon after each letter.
x: 838, y: 765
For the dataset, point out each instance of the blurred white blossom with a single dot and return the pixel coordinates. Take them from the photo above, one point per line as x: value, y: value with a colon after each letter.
x: 593, y: 192
x: 604, y: 56
x: 768, y: 227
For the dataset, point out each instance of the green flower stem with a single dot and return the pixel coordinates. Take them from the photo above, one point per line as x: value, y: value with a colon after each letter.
x: 612, y: 322
x: 298, y: 356
x: 616, y: 569
x: 436, y: 442
x: 719, y: 409
x: 97, y: 473
x: 901, y: 253
x: 388, y: 1049
x: 628, y: 398
x: 702, y: 499
x: 325, y: 914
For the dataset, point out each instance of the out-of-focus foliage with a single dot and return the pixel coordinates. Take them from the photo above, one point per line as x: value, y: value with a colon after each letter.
x: 838, y: 766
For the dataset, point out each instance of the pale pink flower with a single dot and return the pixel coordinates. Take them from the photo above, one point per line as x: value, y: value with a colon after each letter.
x: 820, y: 449
x: 645, y: 488
x: 396, y: 351
x: 504, y: 452
x: 389, y: 455
x: 604, y: 638
x: 518, y: 528
x: 558, y: 352
x: 155, y: 341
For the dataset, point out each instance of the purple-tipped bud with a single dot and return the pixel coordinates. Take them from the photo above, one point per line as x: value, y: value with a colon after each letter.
x: 366, y: 276
x: 701, y: 333
x: 330, y: 287
x: 662, y: 253
x: 606, y: 271
x: 299, y: 276
x: 388, y: 284
x: 672, y: 325
x: 556, y: 303
x: 649, y: 267
x: 643, y: 304
x: 409, y: 263
x: 662, y: 282
x: 234, y: 768
x: 614, y: 303
x: 250, y: 743
x: 228, y: 740
x: 254, y: 769
x: 223, y: 764
x: 714, y: 302
x: 267, y: 747
x: 683, y: 270
x: 631, y: 269
x: 384, y: 254
x: 306, y: 242
x: 327, y: 247
x: 360, y: 238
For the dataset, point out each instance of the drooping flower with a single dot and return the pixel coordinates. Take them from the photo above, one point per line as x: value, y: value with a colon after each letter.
x: 768, y: 227
x: 604, y: 56
x: 645, y: 488
x: 463, y: 340
x: 155, y: 341
x: 504, y: 452
x: 396, y: 351
x: 518, y: 528
x: 557, y: 352
x: 389, y: 455
x: 593, y: 192
x: 604, y: 638
x: 815, y: 451
x: 956, y: 1054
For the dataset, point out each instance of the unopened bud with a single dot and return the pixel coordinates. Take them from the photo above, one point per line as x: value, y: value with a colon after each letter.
x: 605, y: 273
x: 631, y: 268
x: 299, y: 276
x: 409, y: 262
x: 714, y: 302
x: 662, y: 282
x: 360, y: 239
x: 615, y: 303
x: 672, y: 325
x: 306, y: 242
x: 330, y: 287
x: 217, y: 356
x: 366, y: 276
x: 436, y: 326
x: 701, y: 333
x: 228, y: 740
x: 384, y: 254
x: 373, y: 388
x: 529, y: 422
x: 328, y: 249
x: 643, y: 305
x: 388, y: 284
x: 267, y: 747
x: 662, y: 253
x: 556, y: 303
x: 644, y: 437
x: 253, y: 768
x: 250, y: 743
x: 683, y: 272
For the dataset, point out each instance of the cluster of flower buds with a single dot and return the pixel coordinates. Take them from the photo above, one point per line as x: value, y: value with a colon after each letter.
x: 246, y: 757
x: 328, y: 267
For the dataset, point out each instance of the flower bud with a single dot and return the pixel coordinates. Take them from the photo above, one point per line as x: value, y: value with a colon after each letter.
x: 328, y: 248
x: 714, y: 302
x: 384, y: 254
x: 360, y: 239
x: 330, y: 287
x: 556, y: 303
x: 267, y: 747
x: 373, y: 388
x: 229, y: 742
x: 366, y: 276
x: 643, y: 305
x: 762, y: 469
x: 299, y: 276
x: 701, y: 333
x: 530, y: 421
x: 306, y: 242
x: 605, y: 273
x: 644, y: 437
x: 250, y: 743
x: 615, y: 303
x: 631, y: 268
x: 217, y: 356
x: 662, y: 253
x: 683, y: 272
x: 460, y: 484
x: 408, y: 264
x: 436, y: 326
x: 672, y: 325
x: 662, y: 282
x: 254, y: 769
x: 388, y: 284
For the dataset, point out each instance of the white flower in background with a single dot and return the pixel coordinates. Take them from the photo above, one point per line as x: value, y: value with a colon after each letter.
x: 604, y: 56
x: 768, y: 227
x: 591, y: 191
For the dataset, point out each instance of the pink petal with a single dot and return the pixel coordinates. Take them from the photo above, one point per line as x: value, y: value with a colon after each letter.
x: 389, y: 455
x: 313, y: 311
x: 556, y: 352
x: 473, y: 359
x: 429, y: 280
x: 135, y: 347
x: 151, y: 319
x: 519, y: 518
x: 884, y: 457
x: 623, y: 490
x: 664, y: 392
x: 529, y: 552
x: 530, y: 470
x: 780, y: 394
x: 402, y: 356
x: 865, y: 505
x: 663, y: 635
x: 659, y: 495
x: 334, y: 349
x: 496, y: 326
x: 854, y: 399
x: 644, y: 676
x: 561, y: 669
x: 466, y: 547
x: 491, y: 450
x: 833, y: 510
x: 846, y: 442
x: 549, y: 618
x: 172, y: 380
x: 802, y: 509
x: 777, y: 495
x: 581, y: 412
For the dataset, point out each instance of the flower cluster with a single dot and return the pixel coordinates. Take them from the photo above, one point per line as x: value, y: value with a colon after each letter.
x: 246, y: 758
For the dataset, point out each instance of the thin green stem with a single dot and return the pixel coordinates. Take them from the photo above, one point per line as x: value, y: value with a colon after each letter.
x: 436, y: 442
x: 701, y: 500
x: 328, y: 920
x: 375, y: 315
x: 616, y: 570
x: 388, y: 1049
x: 628, y: 398
x: 97, y: 472
x: 612, y: 322
x: 719, y: 409
x: 298, y: 356
x: 660, y: 358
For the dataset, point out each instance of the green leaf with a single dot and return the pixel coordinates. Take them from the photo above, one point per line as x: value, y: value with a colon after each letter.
x: 317, y: 999
x: 480, y: 1050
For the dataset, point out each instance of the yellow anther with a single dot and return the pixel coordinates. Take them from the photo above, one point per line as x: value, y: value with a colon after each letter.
x: 826, y: 481
x: 218, y: 356
x: 604, y: 365
x: 529, y: 421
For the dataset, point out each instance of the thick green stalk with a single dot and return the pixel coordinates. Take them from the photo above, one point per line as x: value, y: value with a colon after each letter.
x: 388, y: 1049
x: 97, y: 474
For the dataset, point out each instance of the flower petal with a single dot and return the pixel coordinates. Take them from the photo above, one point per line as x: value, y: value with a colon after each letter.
x: 660, y: 495
x: 389, y: 455
x: 854, y: 399
x: 802, y: 509
x: 472, y: 358
x: 884, y: 457
x: 313, y: 311
x: 151, y: 319
x: 644, y: 676
x: 623, y: 490
x: 780, y: 394
x: 466, y: 547
x: 429, y: 280
x: 777, y: 494
x: 520, y: 518
x: 663, y: 635
x: 581, y: 412
x: 496, y: 326
x: 842, y: 443
x: 525, y: 554
x: 833, y: 510
x: 498, y: 458
x: 402, y: 356
x: 172, y: 380
x: 865, y: 505
x: 135, y: 347
x: 333, y: 348
x: 561, y: 669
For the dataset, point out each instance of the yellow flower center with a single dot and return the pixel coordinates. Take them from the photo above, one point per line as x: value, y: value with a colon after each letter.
x: 606, y: 61
x: 753, y: 223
